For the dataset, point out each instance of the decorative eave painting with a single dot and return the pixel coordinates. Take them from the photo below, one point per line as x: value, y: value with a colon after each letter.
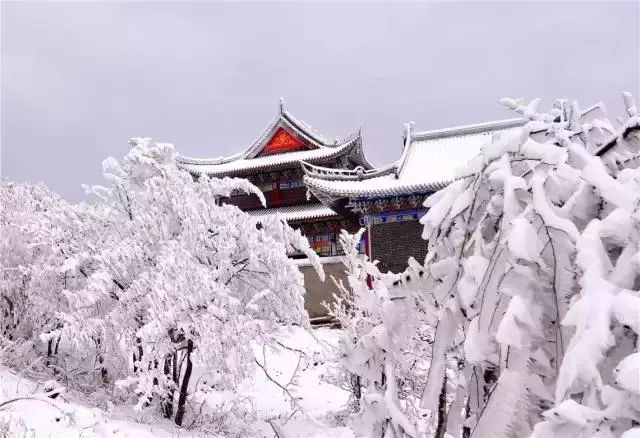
x: 282, y: 141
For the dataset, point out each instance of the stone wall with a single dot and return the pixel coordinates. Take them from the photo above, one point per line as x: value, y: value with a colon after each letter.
x: 392, y: 244
x: 319, y: 291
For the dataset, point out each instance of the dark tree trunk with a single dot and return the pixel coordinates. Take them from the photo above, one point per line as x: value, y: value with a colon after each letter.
x: 442, y: 410
x: 466, y: 431
x: 52, y: 351
x: 103, y: 370
x: 174, y: 362
x: 357, y: 389
x: 167, y: 405
x: 385, y: 426
x: 49, y: 350
x: 490, y: 377
x: 137, y: 358
x: 182, y: 400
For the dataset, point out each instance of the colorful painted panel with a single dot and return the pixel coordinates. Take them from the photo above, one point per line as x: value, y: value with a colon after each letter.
x: 388, y: 217
x: 282, y: 141
x: 367, y: 206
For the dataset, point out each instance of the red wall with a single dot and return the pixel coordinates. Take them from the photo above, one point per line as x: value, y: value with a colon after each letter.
x: 275, y: 198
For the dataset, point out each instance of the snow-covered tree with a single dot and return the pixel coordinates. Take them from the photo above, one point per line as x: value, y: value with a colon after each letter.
x: 498, y: 262
x: 19, y: 221
x: 598, y: 388
x: 36, y: 227
x: 181, y: 278
x: 155, y: 277
x: 507, y: 243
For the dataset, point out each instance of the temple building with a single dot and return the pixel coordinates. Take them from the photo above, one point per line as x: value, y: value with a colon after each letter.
x: 389, y: 200
x: 272, y: 163
x: 321, y: 187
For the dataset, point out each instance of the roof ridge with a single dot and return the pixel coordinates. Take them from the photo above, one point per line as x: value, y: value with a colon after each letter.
x: 306, y: 128
x: 470, y: 129
x: 210, y: 161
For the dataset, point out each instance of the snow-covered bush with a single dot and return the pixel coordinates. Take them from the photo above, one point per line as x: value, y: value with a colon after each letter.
x: 383, y: 346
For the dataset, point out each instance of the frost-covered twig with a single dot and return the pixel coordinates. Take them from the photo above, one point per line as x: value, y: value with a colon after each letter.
x: 31, y: 365
x: 277, y: 429
x: 284, y: 388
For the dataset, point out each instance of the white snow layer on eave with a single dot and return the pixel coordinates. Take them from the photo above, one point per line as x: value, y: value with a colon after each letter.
x: 262, y: 162
x: 296, y: 212
x: 386, y: 185
x: 430, y: 165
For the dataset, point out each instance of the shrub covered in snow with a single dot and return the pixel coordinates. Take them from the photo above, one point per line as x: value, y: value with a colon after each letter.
x: 384, y: 346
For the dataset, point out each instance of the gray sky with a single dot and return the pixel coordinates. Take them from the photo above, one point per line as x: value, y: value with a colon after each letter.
x: 79, y: 79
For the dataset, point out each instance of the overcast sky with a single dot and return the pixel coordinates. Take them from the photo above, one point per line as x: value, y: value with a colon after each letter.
x: 78, y: 79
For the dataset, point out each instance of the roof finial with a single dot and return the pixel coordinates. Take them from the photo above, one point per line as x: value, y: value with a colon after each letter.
x: 408, y: 130
x: 281, y: 105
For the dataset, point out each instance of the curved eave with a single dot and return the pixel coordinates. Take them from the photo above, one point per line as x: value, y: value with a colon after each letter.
x: 269, y: 162
x: 296, y: 213
x: 329, y: 191
x: 360, y: 157
x: 331, y: 174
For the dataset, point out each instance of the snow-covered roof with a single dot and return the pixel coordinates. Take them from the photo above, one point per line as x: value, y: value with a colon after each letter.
x: 249, y: 159
x: 296, y: 212
x: 428, y: 163
x: 264, y: 162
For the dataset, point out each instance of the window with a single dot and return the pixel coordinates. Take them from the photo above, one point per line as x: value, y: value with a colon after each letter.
x: 325, y: 244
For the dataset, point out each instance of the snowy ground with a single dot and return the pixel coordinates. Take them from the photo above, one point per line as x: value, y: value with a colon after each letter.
x: 317, y: 400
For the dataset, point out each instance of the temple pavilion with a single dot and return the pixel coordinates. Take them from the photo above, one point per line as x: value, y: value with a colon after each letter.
x: 389, y: 200
x: 321, y: 186
x: 272, y: 163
